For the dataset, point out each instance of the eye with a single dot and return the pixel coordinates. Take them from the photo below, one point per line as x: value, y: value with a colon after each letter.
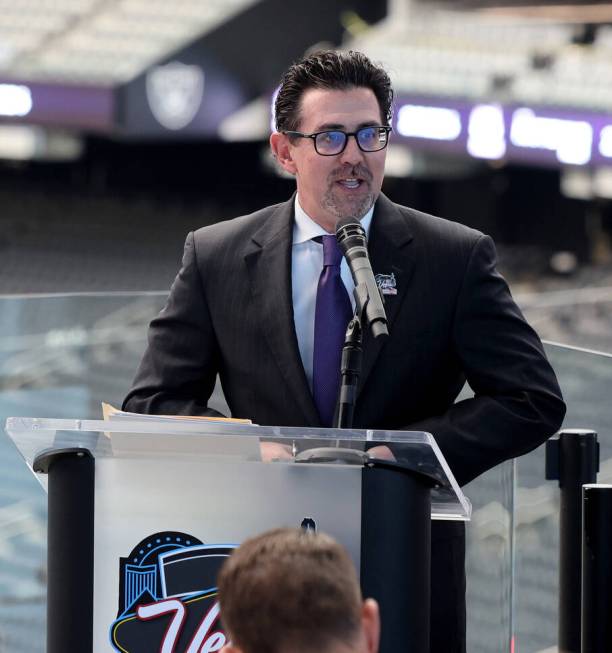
x: 330, y: 142
x: 370, y: 136
x: 331, y: 138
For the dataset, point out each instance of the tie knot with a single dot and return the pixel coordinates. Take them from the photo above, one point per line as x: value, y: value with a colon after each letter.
x: 332, y: 254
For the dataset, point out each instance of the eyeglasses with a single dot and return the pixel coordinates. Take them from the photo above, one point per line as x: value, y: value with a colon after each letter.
x: 330, y: 143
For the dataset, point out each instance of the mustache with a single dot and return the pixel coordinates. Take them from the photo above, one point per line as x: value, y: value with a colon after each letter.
x: 358, y: 171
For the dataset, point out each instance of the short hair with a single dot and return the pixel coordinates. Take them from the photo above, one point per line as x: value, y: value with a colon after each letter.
x: 289, y: 589
x: 332, y: 70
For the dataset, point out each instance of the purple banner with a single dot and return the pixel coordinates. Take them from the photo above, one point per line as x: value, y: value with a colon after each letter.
x: 518, y: 133
x: 75, y: 106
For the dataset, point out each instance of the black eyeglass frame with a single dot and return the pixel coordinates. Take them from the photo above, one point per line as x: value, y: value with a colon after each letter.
x: 314, y: 135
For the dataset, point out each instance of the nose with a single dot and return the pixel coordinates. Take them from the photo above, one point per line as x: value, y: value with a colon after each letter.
x: 351, y: 154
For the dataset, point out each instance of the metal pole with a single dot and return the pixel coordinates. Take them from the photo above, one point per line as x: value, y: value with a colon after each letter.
x: 396, y: 553
x: 350, y: 369
x: 573, y: 460
x: 70, y: 549
x: 597, y: 569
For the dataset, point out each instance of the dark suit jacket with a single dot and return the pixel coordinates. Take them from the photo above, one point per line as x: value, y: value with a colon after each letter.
x: 230, y: 312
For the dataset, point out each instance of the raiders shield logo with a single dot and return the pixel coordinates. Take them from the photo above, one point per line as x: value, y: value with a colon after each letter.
x: 175, y: 93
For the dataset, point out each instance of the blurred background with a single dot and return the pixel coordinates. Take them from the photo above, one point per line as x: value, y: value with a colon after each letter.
x: 126, y: 123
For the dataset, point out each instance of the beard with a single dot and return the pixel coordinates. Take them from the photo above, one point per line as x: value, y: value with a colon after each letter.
x: 343, y: 205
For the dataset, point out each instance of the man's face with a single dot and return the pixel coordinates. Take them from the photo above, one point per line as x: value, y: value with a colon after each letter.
x: 345, y: 184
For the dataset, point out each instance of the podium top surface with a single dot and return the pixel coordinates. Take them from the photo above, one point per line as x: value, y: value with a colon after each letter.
x: 39, y: 439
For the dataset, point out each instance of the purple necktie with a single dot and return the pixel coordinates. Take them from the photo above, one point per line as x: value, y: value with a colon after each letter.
x: 332, y: 315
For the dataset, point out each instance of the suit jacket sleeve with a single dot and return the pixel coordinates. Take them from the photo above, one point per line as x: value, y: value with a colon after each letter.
x: 178, y: 371
x: 517, y: 402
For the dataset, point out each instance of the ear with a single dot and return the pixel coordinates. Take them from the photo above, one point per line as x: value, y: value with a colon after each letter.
x: 370, y: 625
x: 281, y: 150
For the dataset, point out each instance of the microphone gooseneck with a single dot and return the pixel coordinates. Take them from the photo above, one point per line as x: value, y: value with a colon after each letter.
x: 353, y: 243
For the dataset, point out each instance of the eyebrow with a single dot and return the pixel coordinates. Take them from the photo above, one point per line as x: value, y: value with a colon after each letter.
x: 333, y: 126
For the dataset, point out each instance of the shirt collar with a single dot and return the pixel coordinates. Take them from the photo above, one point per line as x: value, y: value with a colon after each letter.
x: 305, y: 228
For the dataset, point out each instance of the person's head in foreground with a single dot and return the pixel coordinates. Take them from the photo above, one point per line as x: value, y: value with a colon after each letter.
x: 295, y: 591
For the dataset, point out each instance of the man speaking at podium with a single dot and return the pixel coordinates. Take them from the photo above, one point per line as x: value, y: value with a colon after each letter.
x: 263, y: 301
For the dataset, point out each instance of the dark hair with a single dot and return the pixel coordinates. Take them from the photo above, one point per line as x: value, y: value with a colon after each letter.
x: 331, y: 70
x: 289, y: 589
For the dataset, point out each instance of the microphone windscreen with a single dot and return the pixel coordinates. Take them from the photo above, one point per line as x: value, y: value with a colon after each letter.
x: 350, y: 234
x: 349, y: 221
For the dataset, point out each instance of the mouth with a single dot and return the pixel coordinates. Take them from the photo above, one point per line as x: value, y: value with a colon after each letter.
x: 351, y: 183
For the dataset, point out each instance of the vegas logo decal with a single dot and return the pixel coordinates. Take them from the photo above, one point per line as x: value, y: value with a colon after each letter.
x: 168, y: 596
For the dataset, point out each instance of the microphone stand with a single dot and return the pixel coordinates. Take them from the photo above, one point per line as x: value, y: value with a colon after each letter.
x: 350, y: 366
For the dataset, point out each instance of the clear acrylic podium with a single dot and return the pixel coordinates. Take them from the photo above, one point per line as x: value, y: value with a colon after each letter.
x: 143, y: 511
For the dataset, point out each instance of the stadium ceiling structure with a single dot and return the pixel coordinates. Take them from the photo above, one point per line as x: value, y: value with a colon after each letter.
x: 496, y: 53
x: 110, y: 42
x: 102, y: 42
x: 573, y: 11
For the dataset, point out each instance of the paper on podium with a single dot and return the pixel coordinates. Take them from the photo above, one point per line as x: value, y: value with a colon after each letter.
x: 110, y: 412
x: 160, y: 441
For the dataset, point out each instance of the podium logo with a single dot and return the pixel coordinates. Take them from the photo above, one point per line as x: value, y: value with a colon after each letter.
x: 168, y: 596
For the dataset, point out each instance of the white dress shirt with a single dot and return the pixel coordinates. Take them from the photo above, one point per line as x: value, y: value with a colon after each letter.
x: 306, y: 266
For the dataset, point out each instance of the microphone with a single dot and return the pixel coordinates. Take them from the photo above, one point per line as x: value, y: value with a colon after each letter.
x: 352, y: 241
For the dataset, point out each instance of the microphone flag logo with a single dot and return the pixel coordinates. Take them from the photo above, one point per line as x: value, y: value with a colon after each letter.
x: 386, y: 283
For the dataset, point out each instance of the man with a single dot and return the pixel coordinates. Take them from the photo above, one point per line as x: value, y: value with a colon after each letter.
x: 295, y: 591
x: 244, y: 305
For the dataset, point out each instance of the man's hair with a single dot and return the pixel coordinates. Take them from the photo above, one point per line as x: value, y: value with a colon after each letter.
x: 289, y: 589
x: 331, y: 70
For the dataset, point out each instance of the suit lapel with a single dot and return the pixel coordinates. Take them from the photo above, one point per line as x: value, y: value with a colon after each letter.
x: 268, y: 259
x: 389, y: 250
